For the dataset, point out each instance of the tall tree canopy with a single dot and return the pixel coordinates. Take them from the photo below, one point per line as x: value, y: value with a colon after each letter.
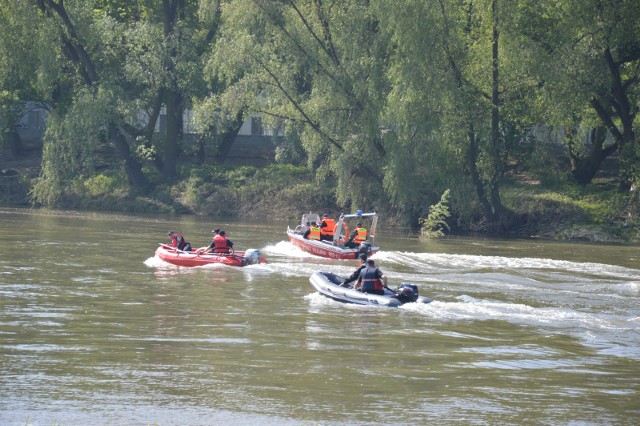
x: 122, y: 64
x: 391, y: 101
x: 587, y: 58
x: 318, y: 69
x: 391, y: 104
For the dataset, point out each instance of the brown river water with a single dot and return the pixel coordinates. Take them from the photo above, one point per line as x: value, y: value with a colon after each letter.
x: 95, y: 330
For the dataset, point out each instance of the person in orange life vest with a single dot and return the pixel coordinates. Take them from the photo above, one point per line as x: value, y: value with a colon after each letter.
x: 359, y: 235
x: 313, y: 232
x: 371, y: 279
x: 362, y: 263
x: 210, y: 247
x: 178, y: 241
x: 221, y: 244
x: 327, y: 227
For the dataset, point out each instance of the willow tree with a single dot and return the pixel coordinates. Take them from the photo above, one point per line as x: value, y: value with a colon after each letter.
x: 316, y: 69
x: 421, y: 161
x: 25, y: 70
x: 590, y: 77
x: 96, y: 109
x: 123, y: 63
x: 456, y: 93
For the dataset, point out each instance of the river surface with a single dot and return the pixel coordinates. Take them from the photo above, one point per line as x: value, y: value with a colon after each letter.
x: 95, y: 330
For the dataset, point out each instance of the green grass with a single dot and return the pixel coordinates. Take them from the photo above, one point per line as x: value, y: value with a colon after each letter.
x: 569, y: 209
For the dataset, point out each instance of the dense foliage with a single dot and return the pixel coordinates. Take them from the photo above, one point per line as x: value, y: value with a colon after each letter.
x: 389, y: 105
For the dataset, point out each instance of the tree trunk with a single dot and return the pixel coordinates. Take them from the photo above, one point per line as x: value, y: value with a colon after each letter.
x: 173, y: 13
x: 150, y: 129
x: 201, y: 153
x: 172, y: 137
x: 492, y: 207
x: 616, y: 105
x: 476, y: 180
x: 132, y: 167
x: 14, y: 144
x: 229, y: 138
x: 584, y: 168
x: 494, y: 150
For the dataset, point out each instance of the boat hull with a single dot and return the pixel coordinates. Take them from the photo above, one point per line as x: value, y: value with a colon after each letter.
x: 326, y: 248
x: 328, y: 285
x: 191, y: 259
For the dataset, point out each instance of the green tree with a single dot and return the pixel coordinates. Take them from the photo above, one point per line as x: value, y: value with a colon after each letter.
x: 587, y: 59
x: 92, y: 69
x: 318, y: 68
x: 25, y: 69
x: 455, y: 100
x: 390, y: 102
x: 133, y: 60
x: 435, y: 223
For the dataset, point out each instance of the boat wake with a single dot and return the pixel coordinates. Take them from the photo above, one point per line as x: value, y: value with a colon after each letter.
x: 155, y: 262
x: 445, y: 262
x: 589, y: 301
x: 285, y: 248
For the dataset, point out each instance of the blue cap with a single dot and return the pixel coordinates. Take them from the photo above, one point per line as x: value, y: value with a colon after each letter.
x: 359, y: 212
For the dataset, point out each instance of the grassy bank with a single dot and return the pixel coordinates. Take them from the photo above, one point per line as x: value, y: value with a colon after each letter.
x: 555, y: 210
x: 596, y: 212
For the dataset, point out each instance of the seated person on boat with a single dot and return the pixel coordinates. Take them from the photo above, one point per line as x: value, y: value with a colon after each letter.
x: 327, y: 228
x: 371, y: 279
x: 312, y: 233
x: 358, y: 236
x: 221, y: 244
x: 178, y: 241
x: 209, y: 248
x: 305, y: 222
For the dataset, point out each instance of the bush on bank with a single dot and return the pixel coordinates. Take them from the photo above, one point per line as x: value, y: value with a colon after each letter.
x: 215, y: 190
x: 558, y: 210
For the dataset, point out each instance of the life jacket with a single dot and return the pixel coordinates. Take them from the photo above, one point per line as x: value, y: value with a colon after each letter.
x: 370, y: 282
x: 182, y: 244
x: 178, y: 241
x: 329, y: 228
x: 314, y: 233
x: 362, y: 235
x: 220, y: 244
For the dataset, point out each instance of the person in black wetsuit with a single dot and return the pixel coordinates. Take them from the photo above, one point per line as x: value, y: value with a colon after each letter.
x: 362, y: 258
x: 371, y: 279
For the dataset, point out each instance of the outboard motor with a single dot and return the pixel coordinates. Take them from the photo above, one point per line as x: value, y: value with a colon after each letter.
x: 364, y: 248
x: 252, y: 256
x: 406, y: 293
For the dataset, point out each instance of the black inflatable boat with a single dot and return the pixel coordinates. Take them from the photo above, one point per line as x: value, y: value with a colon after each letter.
x: 328, y: 284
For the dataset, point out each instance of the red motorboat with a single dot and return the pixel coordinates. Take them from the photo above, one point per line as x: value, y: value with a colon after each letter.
x: 190, y: 258
x: 335, y: 249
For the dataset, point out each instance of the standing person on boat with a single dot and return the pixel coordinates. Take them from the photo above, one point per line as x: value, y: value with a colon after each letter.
x: 221, y: 244
x: 362, y: 263
x: 312, y: 233
x: 371, y: 279
x: 327, y: 228
x: 210, y: 247
x: 178, y: 241
x: 358, y: 236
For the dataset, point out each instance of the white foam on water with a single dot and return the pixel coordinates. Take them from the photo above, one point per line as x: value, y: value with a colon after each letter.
x: 426, y: 262
x: 155, y: 262
x: 285, y: 248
